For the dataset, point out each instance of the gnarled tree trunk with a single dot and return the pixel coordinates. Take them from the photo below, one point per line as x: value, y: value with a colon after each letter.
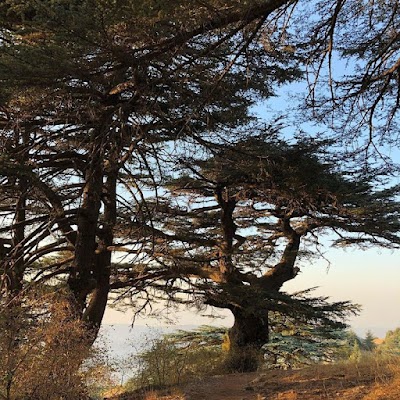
x: 246, y: 337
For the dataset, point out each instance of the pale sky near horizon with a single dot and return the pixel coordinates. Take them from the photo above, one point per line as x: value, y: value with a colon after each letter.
x: 370, y: 278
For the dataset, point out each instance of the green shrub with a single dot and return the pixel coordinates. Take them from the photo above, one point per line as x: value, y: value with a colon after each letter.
x: 178, y: 358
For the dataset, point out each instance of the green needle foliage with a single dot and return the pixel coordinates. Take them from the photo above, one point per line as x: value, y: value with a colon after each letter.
x: 99, y: 98
x: 235, y: 226
x: 93, y: 95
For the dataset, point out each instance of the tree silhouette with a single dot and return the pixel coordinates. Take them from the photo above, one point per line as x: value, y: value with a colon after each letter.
x: 92, y: 95
x: 234, y: 227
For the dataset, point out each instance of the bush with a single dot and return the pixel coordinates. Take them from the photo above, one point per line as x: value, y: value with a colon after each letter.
x: 178, y: 358
x: 391, y: 344
x: 42, y: 348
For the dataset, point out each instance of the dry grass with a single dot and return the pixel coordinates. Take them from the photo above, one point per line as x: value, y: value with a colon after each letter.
x: 387, y: 387
x: 372, y: 378
x: 148, y: 394
x: 157, y: 396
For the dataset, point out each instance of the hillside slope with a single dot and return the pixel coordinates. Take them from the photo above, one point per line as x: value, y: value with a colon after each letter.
x: 372, y: 380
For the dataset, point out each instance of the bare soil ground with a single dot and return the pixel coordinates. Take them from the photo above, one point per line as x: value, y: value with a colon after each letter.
x: 233, y: 387
x: 316, y: 383
x: 343, y: 382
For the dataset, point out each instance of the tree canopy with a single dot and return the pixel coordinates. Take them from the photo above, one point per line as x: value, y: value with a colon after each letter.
x: 234, y: 227
x: 99, y: 98
x: 92, y: 92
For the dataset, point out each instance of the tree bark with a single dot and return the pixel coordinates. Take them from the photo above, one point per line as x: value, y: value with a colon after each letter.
x: 248, y: 334
x: 85, y: 278
x: 15, y: 273
x: 94, y: 312
x: 81, y: 280
x: 15, y: 265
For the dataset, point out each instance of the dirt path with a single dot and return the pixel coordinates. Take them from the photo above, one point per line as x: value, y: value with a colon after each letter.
x: 367, y: 381
x: 232, y: 387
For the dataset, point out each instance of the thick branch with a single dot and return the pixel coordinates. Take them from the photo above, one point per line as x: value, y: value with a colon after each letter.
x: 285, y: 270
